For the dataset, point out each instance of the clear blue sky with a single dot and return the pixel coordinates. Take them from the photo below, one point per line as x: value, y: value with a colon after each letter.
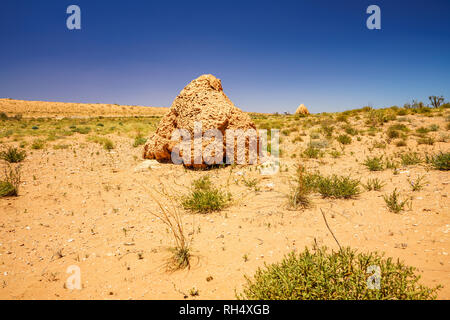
x: 270, y: 55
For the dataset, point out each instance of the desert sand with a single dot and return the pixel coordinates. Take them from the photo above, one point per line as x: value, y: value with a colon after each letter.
x: 28, y: 109
x: 83, y: 204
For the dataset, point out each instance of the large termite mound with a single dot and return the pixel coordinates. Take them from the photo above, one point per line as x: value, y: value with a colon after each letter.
x: 201, y: 101
x: 302, y: 109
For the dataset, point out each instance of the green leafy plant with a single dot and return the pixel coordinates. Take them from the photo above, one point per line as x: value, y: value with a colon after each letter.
x: 9, y: 186
x: 440, y: 161
x: 251, y: 183
x: 344, y: 139
x: 374, y: 163
x: 426, y: 140
x: 105, y: 142
x: 393, y: 201
x: 312, y: 152
x: 418, y: 184
x: 38, y: 144
x: 139, y: 140
x: 13, y: 155
x: 373, y: 184
x: 319, y: 274
x: 204, y: 197
x: 410, y: 158
x: 334, y: 186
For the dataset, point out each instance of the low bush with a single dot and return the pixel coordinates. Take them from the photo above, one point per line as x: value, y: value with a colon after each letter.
x: 440, y: 161
x: 410, y: 158
x: 322, y: 275
x: 13, y: 155
x: 204, y: 197
x: 393, y: 202
x: 374, y: 163
x: 373, y: 184
x: 9, y: 186
x: 38, y: 144
x: 344, y: 139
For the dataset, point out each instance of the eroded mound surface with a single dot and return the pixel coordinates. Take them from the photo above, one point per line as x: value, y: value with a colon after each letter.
x: 202, y: 100
x: 302, y: 109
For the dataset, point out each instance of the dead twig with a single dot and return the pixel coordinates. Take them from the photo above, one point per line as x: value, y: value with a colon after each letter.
x: 326, y: 222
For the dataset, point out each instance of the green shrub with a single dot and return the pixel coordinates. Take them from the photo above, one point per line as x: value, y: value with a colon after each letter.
x: 394, y: 130
x: 410, y: 158
x: 373, y: 184
x: 440, y: 161
x: 401, y: 143
x: 379, y: 117
x: 108, y: 144
x: 374, y: 163
x: 392, y: 134
x: 312, y: 152
x: 38, y: 144
x: 13, y: 155
x: 422, y: 130
x: 61, y: 146
x: 335, y: 154
x: 105, y: 142
x: 344, y: 139
x: 10, y: 185
x: 339, y: 187
x: 322, y: 275
x: 399, y: 127
x: 251, y: 183
x: 418, y: 184
x: 433, y: 127
x: 82, y: 130
x: 204, y: 197
x: 139, y: 140
x: 327, y: 130
x: 426, y: 140
x: 350, y: 130
x: 393, y: 201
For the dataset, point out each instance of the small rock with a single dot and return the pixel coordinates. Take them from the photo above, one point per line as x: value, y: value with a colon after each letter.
x: 147, y: 164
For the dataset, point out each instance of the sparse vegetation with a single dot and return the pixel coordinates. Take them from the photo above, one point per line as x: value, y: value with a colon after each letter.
x: 410, y: 158
x: 374, y: 163
x: 344, y: 139
x: 139, y: 140
x: 298, y: 196
x: 312, y: 152
x: 13, y: 155
x: 418, y: 184
x: 38, y: 144
x: 393, y: 201
x: 9, y: 185
x: 204, y: 197
x: 105, y: 142
x: 334, y: 186
x: 440, y: 161
x: 169, y: 214
x: 373, y: 184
